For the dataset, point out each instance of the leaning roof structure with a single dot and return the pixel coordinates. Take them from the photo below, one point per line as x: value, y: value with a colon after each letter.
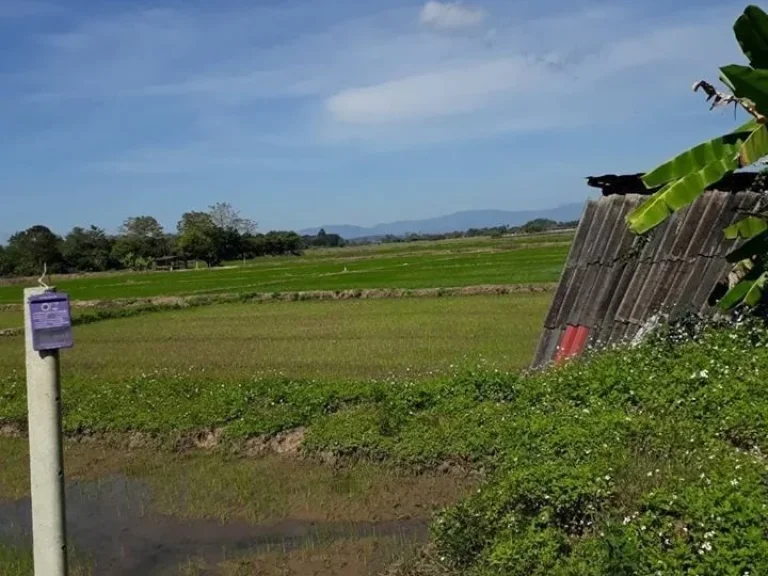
x: 614, y: 282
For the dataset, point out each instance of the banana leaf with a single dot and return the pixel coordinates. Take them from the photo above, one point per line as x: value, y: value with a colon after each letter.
x: 737, y: 294
x: 754, y: 147
x: 726, y: 82
x: 699, y: 156
x: 751, y: 30
x: 749, y: 83
x: 746, y: 228
x: 755, y: 293
x: 756, y: 245
x: 678, y: 194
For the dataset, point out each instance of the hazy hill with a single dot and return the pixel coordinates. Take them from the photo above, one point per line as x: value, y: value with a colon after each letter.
x: 453, y: 222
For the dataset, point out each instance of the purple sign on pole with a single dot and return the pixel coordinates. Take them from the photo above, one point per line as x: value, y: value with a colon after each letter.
x: 51, y: 321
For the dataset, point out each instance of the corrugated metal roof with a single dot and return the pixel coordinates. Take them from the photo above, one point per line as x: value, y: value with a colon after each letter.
x: 614, y: 281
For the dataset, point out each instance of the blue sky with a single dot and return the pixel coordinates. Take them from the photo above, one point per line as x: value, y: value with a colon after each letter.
x: 304, y: 113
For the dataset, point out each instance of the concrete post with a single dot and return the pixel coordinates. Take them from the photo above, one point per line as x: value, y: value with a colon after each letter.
x: 45, y: 454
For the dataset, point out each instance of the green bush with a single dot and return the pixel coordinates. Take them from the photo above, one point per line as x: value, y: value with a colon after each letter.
x: 643, y: 460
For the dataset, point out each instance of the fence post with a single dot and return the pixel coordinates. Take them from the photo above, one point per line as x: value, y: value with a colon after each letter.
x: 46, y: 465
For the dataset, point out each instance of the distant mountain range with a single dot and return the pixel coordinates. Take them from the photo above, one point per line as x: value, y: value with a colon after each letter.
x: 457, y: 222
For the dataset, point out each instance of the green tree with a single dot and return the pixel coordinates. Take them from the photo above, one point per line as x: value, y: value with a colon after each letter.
x: 5, y: 264
x: 684, y: 178
x: 274, y: 243
x: 234, y: 231
x: 282, y: 242
x: 198, y: 237
x: 143, y: 227
x: 539, y: 225
x: 87, y: 250
x: 255, y: 245
x: 28, y: 251
x: 325, y: 240
x: 141, y: 240
x: 230, y: 244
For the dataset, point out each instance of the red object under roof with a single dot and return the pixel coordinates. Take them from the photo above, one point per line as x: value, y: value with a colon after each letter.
x: 572, y: 342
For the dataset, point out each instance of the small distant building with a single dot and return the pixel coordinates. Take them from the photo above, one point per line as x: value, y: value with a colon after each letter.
x: 614, y: 282
x: 170, y: 263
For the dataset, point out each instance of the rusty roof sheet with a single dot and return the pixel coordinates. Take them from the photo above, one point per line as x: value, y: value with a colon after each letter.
x: 614, y: 281
x: 622, y: 184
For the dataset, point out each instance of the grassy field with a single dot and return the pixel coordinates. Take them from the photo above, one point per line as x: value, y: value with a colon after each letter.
x: 455, y: 245
x: 641, y: 460
x: 11, y: 319
x: 236, y: 373
x: 426, y: 265
x: 334, y: 340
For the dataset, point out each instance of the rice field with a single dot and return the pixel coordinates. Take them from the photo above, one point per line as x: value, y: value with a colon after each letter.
x: 450, y: 263
x: 312, y: 339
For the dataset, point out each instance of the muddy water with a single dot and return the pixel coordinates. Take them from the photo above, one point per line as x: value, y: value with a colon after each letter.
x: 111, y: 522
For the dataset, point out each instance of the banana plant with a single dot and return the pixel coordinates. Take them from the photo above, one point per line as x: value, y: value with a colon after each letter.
x: 679, y: 181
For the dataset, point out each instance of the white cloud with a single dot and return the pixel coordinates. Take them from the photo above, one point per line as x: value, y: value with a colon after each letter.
x: 450, y: 15
x: 578, y: 83
x: 434, y: 94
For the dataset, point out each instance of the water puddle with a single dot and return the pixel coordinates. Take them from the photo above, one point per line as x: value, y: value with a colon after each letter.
x: 111, y: 522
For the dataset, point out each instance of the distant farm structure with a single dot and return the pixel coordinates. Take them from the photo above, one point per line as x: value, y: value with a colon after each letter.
x: 170, y: 263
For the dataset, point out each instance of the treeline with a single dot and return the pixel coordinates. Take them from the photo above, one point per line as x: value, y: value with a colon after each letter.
x: 216, y: 235
x: 212, y: 237
x: 532, y: 227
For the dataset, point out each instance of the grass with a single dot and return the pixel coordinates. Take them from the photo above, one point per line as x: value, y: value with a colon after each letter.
x: 17, y: 561
x: 644, y: 460
x: 636, y: 461
x: 347, y: 557
x: 201, y: 485
x: 336, y: 340
x: 647, y: 460
x: 360, y: 557
x: 454, y: 245
x: 11, y: 319
x: 523, y: 264
x: 218, y: 487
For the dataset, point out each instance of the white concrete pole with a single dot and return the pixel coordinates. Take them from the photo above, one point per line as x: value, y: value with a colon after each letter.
x: 45, y: 454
